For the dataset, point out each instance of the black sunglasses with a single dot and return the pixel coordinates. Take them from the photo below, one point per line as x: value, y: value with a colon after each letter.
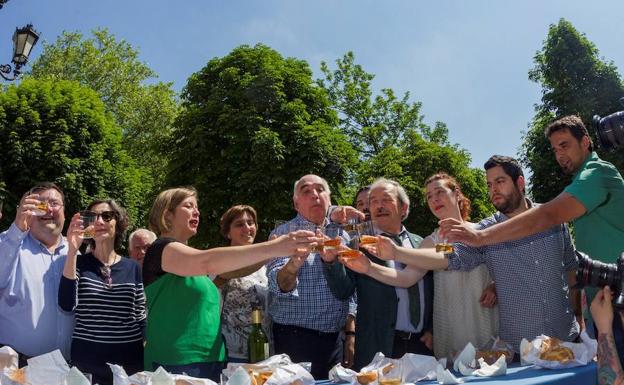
x: 107, y: 216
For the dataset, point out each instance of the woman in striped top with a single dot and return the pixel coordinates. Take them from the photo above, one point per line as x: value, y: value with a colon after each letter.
x: 105, y: 291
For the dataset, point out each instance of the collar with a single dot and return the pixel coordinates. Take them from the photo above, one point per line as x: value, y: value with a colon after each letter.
x: 402, y: 233
x: 593, y: 157
x: 301, y: 219
x: 57, y: 250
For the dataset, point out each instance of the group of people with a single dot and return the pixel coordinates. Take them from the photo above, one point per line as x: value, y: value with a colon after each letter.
x: 510, y: 275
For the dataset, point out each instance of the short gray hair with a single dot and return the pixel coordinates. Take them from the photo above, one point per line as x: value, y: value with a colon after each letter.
x: 149, y: 234
x: 400, y: 191
x: 323, y: 182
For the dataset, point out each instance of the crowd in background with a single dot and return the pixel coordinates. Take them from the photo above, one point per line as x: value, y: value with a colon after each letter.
x: 167, y: 304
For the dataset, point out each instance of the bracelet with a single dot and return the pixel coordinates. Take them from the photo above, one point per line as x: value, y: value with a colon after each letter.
x: 349, y: 333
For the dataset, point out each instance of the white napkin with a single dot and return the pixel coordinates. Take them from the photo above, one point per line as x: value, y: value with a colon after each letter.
x: 584, y: 352
x: 499, y: 368
x: 466, y: 357
x: 8, y: 358
x: 162, y: 377
x: 444, y: 376
x: 465, y: 364
x: 120, y: 377
x: 75, y: 377
x: 239, y: 377
x: 290, y: 374
x: 49, y: 368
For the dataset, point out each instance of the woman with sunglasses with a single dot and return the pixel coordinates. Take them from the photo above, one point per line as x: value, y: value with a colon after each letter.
x: 184, y: 326
x: 105, y: 292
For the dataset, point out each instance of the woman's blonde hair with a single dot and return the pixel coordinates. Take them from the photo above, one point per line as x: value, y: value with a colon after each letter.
x: 165, y: 202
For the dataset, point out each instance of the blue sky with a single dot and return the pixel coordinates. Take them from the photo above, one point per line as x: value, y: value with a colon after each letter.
x: 466, y: 61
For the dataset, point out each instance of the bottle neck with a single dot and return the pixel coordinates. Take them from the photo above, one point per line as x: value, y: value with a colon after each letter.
x: 256, y: 317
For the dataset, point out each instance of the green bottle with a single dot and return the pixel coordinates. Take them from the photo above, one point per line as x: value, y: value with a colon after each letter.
x: 257, y: 342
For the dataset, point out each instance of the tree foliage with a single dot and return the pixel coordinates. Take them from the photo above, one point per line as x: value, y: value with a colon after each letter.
x: 59, y: 131
x: 253, y: 122
x: 574, y: 80
x: 144, y: 108
x: 394, y: 142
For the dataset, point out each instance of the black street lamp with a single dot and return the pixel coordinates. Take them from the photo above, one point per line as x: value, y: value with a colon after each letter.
x: 23, y: 41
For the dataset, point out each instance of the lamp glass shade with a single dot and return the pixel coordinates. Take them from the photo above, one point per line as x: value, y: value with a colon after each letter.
x: 23, y: 41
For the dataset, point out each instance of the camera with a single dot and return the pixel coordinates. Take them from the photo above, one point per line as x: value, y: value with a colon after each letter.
x: 610, y: 129
x: 600, y: 274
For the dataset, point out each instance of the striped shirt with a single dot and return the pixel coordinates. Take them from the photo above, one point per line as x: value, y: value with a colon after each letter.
x: 531, y: 281
x: 105, y: 315
x: 310, y: 304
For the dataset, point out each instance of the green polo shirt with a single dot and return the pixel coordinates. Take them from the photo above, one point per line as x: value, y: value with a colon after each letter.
x: 599, y: 232
x: 599, y: 187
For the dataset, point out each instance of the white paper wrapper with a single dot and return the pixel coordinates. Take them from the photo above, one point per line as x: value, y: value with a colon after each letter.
x: 465, y: 364
x: 268, y: 364
x: 46, y: 369
x: 292, y: 374
x: 584, y: 352
x: 8, y: 358
x: 160, y: 376
x: 75, y: 377
x: 444, y: 376
x: 416, y: 368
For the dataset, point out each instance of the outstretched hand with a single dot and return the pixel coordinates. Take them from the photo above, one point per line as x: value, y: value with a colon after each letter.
x: 602, y: 310
x: 360, y: 264
x: 342, y: 214
x: 454, y: 230
x: 384, y: 248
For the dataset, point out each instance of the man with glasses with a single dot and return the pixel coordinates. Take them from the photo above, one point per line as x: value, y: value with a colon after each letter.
x: 32, y: 255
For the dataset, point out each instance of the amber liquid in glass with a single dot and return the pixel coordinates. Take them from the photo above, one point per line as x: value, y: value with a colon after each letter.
x: 367, y: 240
x: 41, y: 208
x: 332, y: 243
x: 349, y: 254
x: 445, y: 248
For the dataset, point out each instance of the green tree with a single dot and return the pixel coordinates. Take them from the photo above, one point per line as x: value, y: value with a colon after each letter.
x: 394, y: 142
x: 253, y: 122
x: 59, y: 131
x: 144, y: 108
x: 574, y: 80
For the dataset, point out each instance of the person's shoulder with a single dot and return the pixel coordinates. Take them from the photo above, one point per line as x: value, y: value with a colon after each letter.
x: 487, y: 221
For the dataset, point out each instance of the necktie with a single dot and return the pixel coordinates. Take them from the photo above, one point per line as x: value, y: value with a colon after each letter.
x: 414, y: 291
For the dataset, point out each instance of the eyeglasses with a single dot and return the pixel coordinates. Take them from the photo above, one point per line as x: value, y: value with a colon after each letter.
x: 105, y: 273
x: 106, y: 216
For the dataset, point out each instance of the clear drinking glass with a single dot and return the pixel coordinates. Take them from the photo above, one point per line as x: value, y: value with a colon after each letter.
x: 88, y: 221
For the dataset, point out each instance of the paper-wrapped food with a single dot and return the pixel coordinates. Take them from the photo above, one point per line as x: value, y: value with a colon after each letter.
x: 552, y: 353
x: 275, y: 370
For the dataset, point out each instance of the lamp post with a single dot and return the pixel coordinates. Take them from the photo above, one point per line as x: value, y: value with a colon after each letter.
x: 24, y: 39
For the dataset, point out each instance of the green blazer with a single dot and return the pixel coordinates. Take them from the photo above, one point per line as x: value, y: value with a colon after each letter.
x: 376, y: 307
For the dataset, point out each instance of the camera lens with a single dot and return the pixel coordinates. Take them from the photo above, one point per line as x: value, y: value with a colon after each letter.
x: 595, y: 273
x: 610, y: 130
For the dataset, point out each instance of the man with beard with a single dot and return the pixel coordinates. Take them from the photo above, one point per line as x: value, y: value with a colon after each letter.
x: 532, y: 274
x: 32, y: 255
x: 391, y: 320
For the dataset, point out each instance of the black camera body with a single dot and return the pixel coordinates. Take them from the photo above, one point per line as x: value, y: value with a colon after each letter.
x: 610, y: 129
x: 599, y: 274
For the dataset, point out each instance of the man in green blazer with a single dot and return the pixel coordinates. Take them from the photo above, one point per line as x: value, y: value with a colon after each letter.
x: 390, y: 319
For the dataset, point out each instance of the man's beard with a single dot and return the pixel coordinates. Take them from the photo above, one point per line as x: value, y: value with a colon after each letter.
x: 510, y: 202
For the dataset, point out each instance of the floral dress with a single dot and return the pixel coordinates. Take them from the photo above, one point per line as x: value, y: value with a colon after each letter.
x: 240, y: 296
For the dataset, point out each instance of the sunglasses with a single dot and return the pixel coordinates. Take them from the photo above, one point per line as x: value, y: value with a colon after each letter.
x: 106, y: 216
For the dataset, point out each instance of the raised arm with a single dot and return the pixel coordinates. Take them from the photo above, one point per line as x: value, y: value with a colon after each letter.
x: 564, y: 208
x: 180, y: 259
x: 423, y: 258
